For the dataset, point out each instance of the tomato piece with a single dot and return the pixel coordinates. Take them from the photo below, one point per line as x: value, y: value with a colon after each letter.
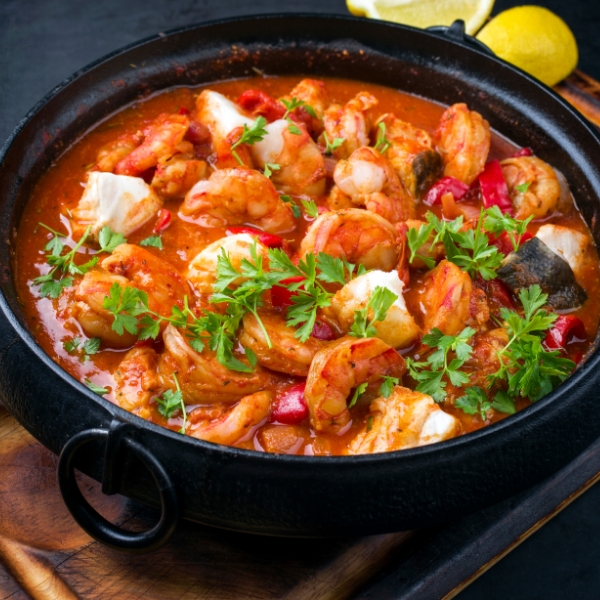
x: 498, y: 291
x: 164, y: 220
x: 184, y: 111
x: 322, y: 331
x: 566, y: 329
x: 281, y: 297
x: 260, y: 103
x: 270, y: 240
x: 197, y: 133
x: 523, y: 152
x: 290, y: 408
x: 444, y: 185
x: 494, y: 190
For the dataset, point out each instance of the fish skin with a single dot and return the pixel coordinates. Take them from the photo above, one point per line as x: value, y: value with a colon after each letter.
x: 535, y: 263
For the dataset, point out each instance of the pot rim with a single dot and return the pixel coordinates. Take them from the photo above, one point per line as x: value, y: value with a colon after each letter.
x: 521, y: 419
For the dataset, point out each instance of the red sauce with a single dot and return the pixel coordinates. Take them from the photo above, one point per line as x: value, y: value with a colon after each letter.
x: 60, y: 189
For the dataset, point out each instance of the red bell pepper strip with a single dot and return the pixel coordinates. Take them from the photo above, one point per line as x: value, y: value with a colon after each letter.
x: 184, y: 111
x: 164, y: 220
x: 523, y: 152
x: 566, y: 329
x: 322, y: 331
x: 504, y: 244
x: 444, y: 185
x: 498, y: 291
x: 281, y: 297
x: 270, y: 240
x: 259, y: 103
x: 290, y: 408
x: 494, y: 190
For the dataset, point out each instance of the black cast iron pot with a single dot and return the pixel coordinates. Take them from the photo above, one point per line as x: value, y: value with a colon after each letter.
x: 265, y: 493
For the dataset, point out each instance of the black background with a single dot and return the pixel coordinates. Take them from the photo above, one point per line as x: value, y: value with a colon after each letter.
x: 43, y: 41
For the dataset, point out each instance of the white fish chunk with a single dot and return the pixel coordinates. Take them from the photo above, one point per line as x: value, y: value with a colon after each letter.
x: 567, y: 243
x: 220, y: 114
x: 398, y: 329
x: 123, y: 203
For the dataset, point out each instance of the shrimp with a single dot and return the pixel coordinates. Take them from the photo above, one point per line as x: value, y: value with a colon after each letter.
x: 538, y: 179
x: 485, y: 361
x: 411, y: 154
x: 163, y: 138
x: 129, y: 266
x: 235, y: 197
x: 203, y: 379
x: 137, y: 381
x: 202, y: 270
x: 340, y: 367
x: 313, y: 93
x: 405, y: 419
x: 463, y: 140
x: 447, y: 298
x: 301, y: 166
x: 356, y: 235
x: 230, y: 427
x: 288, y: 354
x: 175, y: 176
x: 113, y: 152
x: 350, y: 122
x: 368, y: 179
x: 398, y: 329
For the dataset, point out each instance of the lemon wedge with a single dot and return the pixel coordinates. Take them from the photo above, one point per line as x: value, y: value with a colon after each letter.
x: 534, y: 39
x: 425, y: 13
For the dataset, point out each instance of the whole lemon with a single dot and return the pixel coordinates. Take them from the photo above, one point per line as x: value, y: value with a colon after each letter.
x: 534, y: 39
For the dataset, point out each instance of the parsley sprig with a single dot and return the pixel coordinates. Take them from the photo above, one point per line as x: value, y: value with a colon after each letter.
x: 380, y: 302
x: 309, y: 292
x: 169, y: 401
x: 530, y: 370
x: 89, y: 347
x: 250, y: 135
x: 295, y: 103
x: 431, y: 373
x: 497, y: 223
x: 382, y: 144
x: 476, y: 401
x: 295, y: 208
x: 331, y: 146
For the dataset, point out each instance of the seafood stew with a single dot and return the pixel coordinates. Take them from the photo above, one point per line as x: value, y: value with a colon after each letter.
x: 308, y: 267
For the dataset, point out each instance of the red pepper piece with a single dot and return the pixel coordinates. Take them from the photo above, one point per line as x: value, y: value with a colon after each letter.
x: 259, y: 103
x: 281, y: 297
x: 290, y: 408
x: 494, y: 190
x: 444, y: 185
x: 164, y: 220
x: 322, y: 331
x: 566, y: 329
x: 498, y: 291
x: 523, y: 152
x: 184, y: 111
x: 504, y: 244
x: 197, y: 133
x: 270, y: 240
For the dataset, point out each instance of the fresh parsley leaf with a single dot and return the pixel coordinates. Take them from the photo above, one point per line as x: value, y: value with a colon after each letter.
x: 380, y: 302
x: 96, y: 388
x: 310, y: 207
x: 369, y: 423
x: 293, y: 128
x: 251, y: 356
x: 71, y: 345
x: 109, y: 240
x: 295, y: 208
x: 125, y: 304
x: 382, y: 144
x: 91, y: 346
x: 295, y: 103
x: 417, y: 238
x: 330, y: 147
x: 475, y: 401
x: 170, y: 401
x: 504, y: 403
x: 250, y: 135
x: 523, y: 187
x: 269, y: 168
x: 154, y: 241
x: 497, y: 223
x: 358, y: 392
x: 430, y: 373
x: 387, y: 387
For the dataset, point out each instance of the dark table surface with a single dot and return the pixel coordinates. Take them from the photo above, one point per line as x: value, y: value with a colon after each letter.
x: 43, y: 41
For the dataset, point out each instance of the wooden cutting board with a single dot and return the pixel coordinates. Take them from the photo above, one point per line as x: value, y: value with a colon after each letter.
x: 44, y: 554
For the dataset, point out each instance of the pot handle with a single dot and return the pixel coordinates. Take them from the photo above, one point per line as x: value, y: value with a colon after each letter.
x: 93, y: 523
x: 456, y: 32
